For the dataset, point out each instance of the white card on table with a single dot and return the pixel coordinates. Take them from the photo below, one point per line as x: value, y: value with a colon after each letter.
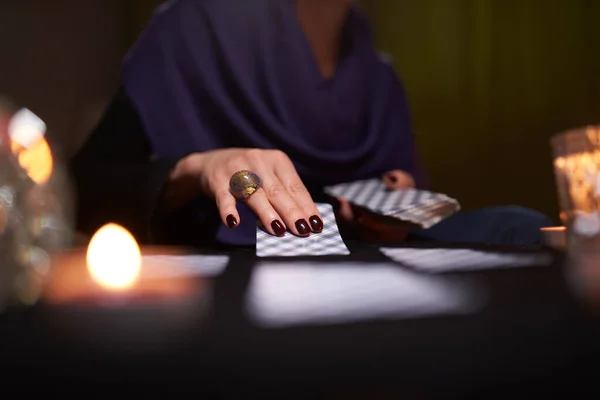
x: 312, y: 293
x: 328, y: 242
x: 420, y: 207
x: 171, y: 266
x: 449, y: 260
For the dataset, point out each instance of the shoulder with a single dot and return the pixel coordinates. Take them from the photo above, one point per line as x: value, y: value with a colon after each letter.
x: 386, y: 67
x: 386, y: 59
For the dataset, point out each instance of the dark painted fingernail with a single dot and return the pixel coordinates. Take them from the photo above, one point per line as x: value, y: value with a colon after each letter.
x: 278, y: 228
x: 316, y: 224
x: 232, y: 222
x: 302, y: 227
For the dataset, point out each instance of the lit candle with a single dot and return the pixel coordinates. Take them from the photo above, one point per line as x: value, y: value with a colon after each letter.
x: 111, y: 270
x: 578, y: 178
x: 104, y: 287
x: 113, y: 258
x: 577, y: 167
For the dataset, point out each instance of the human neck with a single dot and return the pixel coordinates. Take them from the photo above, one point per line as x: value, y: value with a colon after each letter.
x: 322, y: 22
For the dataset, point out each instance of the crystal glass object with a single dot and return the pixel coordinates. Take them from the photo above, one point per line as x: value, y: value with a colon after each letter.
x: 34, y: 201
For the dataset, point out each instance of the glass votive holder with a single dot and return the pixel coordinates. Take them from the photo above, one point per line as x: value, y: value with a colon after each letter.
x: 554, y: 237
x: 35, y: 206
x: 577, y: 172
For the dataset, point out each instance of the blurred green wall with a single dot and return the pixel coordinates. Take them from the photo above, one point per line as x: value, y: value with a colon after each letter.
x: 139, y: 13
x: 489, y: 81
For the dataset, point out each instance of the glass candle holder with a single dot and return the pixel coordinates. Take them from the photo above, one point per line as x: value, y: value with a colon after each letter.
x: 577, y: 171
x: 35, y: 206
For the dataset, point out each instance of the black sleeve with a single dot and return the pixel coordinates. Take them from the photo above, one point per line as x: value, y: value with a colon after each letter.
x: 115, y: 177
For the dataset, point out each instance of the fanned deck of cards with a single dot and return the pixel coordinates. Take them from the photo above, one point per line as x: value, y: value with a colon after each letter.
x: 452, y: 260
x: 327, y: 243
x: 419, y: 207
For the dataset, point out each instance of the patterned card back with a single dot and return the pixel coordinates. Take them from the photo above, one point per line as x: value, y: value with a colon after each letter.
x: 451, y: 260
x: 328, y: 242
x: 420, y: 207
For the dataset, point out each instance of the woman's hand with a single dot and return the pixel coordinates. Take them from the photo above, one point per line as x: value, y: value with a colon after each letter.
x: 372, y: 227
x: 394, y: 180
x: 398, y: 180
x: 282, y: 203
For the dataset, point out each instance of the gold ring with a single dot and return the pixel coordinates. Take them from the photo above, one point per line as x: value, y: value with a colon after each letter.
x: 244, y: 184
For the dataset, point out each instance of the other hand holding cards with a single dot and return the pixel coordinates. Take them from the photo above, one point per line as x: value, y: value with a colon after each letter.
x: 419, y: 207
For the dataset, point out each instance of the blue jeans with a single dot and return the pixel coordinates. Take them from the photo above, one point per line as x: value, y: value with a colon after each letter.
x: 511, y: 225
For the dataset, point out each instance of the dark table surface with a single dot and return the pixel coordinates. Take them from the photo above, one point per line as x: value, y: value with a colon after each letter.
x: 533, y: 335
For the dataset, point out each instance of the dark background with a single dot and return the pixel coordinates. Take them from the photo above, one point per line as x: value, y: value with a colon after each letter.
x: 489, y: 81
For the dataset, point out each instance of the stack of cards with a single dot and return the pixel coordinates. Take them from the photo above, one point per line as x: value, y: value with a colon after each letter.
x: 328, y: 242
x: 418, y: 207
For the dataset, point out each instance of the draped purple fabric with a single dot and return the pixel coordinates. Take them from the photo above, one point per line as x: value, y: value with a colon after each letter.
x: 210, y: 74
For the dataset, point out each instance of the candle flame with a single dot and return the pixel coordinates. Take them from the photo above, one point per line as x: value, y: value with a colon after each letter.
x: 113, y: 257
x: 36, y: 160
x: 26, y: 131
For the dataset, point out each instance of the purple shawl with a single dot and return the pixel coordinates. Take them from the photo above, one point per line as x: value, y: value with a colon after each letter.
x: 210, y: 74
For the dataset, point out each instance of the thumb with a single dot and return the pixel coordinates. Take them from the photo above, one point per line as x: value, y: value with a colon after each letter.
x: 397, y: 180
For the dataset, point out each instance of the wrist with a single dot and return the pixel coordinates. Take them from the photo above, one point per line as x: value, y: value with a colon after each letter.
x: 183, y: 184
x: 189, y: 166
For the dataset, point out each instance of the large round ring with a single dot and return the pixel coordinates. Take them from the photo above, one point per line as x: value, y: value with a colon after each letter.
x: 243, y: 184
